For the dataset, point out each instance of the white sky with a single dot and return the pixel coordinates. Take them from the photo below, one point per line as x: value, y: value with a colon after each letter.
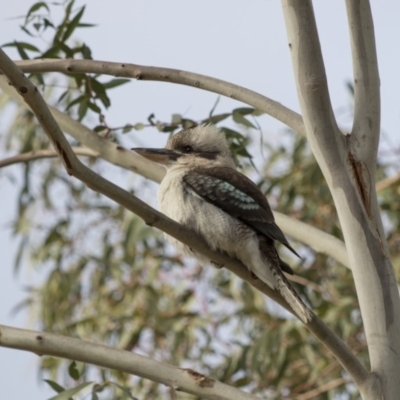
x: 242, y: 41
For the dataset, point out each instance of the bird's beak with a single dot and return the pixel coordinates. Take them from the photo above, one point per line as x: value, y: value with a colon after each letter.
x: 161, y: 156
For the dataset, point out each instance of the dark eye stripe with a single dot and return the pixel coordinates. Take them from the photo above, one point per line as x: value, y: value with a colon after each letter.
x: 209, y: 155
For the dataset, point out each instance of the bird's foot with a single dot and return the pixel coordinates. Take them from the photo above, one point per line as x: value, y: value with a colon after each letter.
x: 219, y: 266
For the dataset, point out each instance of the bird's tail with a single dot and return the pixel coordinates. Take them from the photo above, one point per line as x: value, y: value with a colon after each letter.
x: 292, y: 298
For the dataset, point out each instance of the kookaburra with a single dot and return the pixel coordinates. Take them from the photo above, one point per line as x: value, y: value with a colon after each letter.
x: 203, y: 191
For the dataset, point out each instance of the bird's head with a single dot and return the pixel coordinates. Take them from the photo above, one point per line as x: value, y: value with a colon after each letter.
x: 201, y: 146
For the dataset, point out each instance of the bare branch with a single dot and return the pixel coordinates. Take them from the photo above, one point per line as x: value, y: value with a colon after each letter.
x: 185, y: 380
x: 45, y: 153
x: 315, y: 238
x: 154, y: 218
x: 385, y: 183
x: 313, y: 394
x: 145, y: 73
x: 367, y: 115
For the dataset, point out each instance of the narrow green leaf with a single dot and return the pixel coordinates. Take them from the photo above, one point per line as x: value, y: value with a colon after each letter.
x: 66, y: 394
x: 24, y: 45
x: 238, y: 118
x: 216, y: 118
x: 82, y: 110
x: 115, y: 82
x: 76, y: 101
x: 55, y: 386
x: 73, y: 24
x: 101, y: 94
x: 68, y: 9
x: 94, y: 107
x: 244, y: 110
x: 85, y: 25
x: 26, y: 31
x: 35, y: 7
x: 124, y: 390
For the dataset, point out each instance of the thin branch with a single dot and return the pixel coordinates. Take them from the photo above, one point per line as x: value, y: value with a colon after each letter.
x: 318, y: 240
x: 313, y: 394
x: 366, y: 124
x: 140, y: 72
x: 313, y: 237
x: 385, y: 183
x: 185, y: 380
x: 44, y: 153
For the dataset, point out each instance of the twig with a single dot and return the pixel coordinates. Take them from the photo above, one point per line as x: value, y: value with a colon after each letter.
x: 44, y: 153
x: 145, y: 73
x: 385, y: 183
x: 312, y: 394
x: 185, y: 380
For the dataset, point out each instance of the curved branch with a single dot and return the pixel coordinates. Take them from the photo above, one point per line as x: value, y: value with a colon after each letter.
x: 75, y: 168
x: 44, y: 153
x: 185, y: 380
x: 367, y: 115
x: 141, y: 72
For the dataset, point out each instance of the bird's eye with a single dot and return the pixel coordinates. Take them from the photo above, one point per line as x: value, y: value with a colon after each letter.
x: 187, y: 149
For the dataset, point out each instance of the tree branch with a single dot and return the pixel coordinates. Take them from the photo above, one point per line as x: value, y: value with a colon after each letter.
x: 140, y: 72
x: 313, y: 237
x: 366, y: 124
x: 313, y: 394
x: 318, y: 240
x: 152, y: 217
x: 44, y: 153
x: 385, y: 183
x: 185, y: 380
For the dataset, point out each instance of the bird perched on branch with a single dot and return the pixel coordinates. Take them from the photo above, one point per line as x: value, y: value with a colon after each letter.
x: 203, y: 191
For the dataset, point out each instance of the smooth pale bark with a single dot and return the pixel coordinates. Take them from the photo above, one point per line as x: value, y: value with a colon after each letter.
x: 180, y: 379
x: 348, y: 164
x: 145, y: 73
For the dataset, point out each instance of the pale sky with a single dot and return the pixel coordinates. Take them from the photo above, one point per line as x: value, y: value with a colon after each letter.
x: 242, y: 41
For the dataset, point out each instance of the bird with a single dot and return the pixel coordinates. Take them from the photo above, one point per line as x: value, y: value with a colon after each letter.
x: 204, y: 191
